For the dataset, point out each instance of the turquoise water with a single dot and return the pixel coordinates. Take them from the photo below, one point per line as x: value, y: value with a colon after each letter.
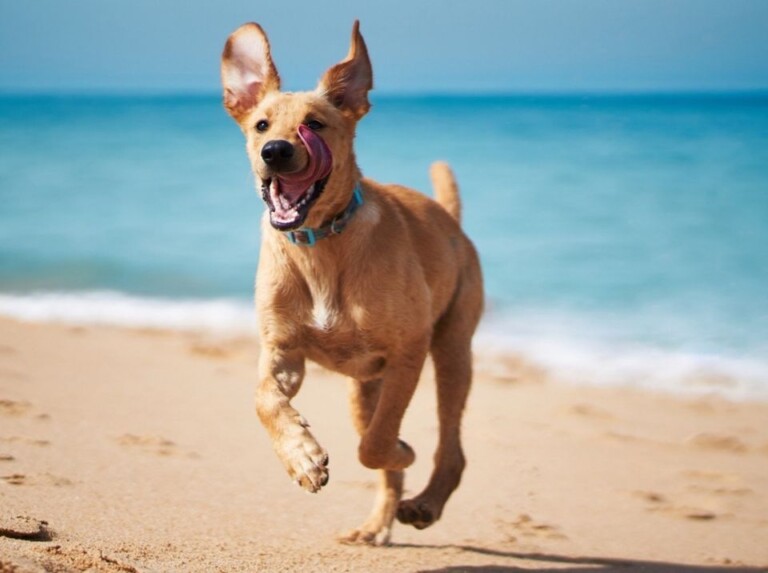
x: 618, y: 234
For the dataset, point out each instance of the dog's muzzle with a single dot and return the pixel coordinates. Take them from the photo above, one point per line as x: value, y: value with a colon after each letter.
x: 290, y: 195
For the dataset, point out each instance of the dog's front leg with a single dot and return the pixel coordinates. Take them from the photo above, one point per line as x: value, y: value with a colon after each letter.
x: 281, y: 374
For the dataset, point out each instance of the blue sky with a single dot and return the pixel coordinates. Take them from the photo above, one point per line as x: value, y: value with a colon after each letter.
x: 415, y: 45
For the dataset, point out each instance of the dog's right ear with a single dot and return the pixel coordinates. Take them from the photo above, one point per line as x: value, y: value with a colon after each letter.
x: 247, y: 70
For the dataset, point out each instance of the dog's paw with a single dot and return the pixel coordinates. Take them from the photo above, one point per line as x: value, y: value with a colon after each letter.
x: 417, y: 513
x: 364, y: 536
x: 405, y: 456
x: 372, y: 456
x: 305, y: 461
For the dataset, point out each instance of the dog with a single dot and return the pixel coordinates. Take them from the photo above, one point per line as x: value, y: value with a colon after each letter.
x: 362, y: 278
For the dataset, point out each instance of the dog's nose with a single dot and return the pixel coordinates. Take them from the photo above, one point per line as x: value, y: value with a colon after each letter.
x: 277, y: 153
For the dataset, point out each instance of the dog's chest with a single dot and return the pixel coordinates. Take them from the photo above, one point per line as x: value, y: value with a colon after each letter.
x: 325, y: 306
x: 330, y: 306
x: 337, y: 337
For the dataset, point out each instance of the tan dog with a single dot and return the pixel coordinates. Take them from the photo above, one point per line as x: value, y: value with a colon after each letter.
x: 401, y: 281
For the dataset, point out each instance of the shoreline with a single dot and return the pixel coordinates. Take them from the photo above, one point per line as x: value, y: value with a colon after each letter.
x: 594, y: 351
x: 141, y: 451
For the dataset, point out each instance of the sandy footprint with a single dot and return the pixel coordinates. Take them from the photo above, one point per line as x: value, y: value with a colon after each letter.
x: 14, y: 479
x: 6, y: 458
x: 636, y: 439
x: 24, y: 440
x: 156, y: 445
x: 590, y: 411
x: 689, y: 512
x: 14, y: 407
x: 525, y: 528
x: 209, y: 350
x: 44, y: 479
x: 658, y: 502
x: 717, y: 484
x: 722, y: 442
x: 651, y: 497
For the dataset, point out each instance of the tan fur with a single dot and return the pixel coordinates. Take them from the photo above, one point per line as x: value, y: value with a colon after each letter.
x: 446, y: 190
x: 400, y: 282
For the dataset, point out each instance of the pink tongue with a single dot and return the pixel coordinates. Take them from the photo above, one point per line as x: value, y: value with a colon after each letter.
x: 294, y: 185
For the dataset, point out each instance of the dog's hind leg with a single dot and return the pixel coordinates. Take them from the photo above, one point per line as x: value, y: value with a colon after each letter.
x: 363, y: 397
x: 452, y: 356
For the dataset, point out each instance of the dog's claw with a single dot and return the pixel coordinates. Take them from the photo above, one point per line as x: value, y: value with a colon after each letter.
x: 305, y: 461
x: 366, y: 537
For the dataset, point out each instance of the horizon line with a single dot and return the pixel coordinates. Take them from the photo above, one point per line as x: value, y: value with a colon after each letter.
x: 415, y: 94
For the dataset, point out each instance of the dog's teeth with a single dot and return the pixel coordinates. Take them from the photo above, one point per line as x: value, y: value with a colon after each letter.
x: 306, y: 197
x: 282, y: 210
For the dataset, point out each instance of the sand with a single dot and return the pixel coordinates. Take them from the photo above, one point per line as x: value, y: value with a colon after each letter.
x: 126, y: 450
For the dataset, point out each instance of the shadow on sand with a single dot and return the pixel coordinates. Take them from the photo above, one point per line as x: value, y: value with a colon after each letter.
x: 580, y: 564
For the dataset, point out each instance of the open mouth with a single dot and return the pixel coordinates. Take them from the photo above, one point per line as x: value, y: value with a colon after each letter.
x: 289, y: 196
x: 288, y: 211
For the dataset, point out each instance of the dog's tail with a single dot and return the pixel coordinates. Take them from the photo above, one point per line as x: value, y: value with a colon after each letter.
x: 446, y: 190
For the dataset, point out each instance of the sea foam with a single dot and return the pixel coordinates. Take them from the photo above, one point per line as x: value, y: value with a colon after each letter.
x: 608, y: 350
x: 565, y: 348
x: 222, y: 316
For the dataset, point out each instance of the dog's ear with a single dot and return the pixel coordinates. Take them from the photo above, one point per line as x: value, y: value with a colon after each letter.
x: 247, y: 70
x: 347, y: 83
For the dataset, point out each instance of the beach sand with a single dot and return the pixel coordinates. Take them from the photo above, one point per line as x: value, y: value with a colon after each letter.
x: 128, y: 450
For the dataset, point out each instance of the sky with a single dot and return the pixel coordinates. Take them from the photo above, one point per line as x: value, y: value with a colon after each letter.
x: 416, y: 46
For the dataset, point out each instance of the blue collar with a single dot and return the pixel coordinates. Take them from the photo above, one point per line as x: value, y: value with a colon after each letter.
x: 307, y: 237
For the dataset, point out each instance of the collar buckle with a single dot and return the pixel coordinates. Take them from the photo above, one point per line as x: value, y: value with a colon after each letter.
x: 337, y: 224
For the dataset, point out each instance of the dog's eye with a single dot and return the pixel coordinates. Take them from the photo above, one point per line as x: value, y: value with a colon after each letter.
x: 262, y: 126
x: 314, y: 125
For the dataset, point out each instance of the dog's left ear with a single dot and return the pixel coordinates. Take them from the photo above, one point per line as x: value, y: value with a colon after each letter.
x: 347, y: 83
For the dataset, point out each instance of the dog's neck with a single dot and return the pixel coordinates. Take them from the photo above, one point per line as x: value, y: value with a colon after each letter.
x: 341, y: 186
x: 308, y: 236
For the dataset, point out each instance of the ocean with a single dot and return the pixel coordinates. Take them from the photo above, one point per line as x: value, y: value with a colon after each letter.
x: 624, y: 239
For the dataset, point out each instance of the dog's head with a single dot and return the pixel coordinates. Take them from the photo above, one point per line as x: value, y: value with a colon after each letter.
x: 299, y: 144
